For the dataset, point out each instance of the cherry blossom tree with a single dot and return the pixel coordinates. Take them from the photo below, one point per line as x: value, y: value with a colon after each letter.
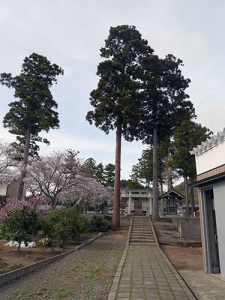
x: 51, y: 175
x: 87, y: 192
x: 100, y: 195
x: 61, y: 178
x: 12, y: 206
x: 9, y: 168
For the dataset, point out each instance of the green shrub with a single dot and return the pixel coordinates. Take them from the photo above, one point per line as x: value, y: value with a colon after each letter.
x: 45, y: 242
x: 63, y: 223
x: 20, y: 225
x: 108, y: 218
x: 99, y: 223
x: 45, y: 228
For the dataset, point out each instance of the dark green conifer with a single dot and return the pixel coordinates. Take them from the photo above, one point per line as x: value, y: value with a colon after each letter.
x: 35, y: 109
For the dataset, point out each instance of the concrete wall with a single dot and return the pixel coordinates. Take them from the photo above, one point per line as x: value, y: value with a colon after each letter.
x: 2, y: 191
x: 219, y: 202
x: 12, y: 190
x: 189, y: 228
x: 211, y: 159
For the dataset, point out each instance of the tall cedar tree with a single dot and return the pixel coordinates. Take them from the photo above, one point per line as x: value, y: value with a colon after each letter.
x: 143, y: 170
x: 90, y: 167
x: 187, y: 136
x: 164, y: 105
x: 109, y: 174
x: 104, y: 175
x: 99, y: 173
x: 35, y: 109
x: 114, y: 100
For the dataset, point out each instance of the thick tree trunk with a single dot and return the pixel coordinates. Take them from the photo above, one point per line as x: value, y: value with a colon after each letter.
x: 116, y: 195
x: 169, y: 177
x: 155, y: 210
x: 25, y: 161
x: 161, y: 187
x: 192, y: 201
x: 161, y: 201
x: 186, y: 195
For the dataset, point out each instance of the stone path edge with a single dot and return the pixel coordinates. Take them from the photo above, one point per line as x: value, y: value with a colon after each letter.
x: 8, y: 277
x: 114, y: 288
x: 181, y: 280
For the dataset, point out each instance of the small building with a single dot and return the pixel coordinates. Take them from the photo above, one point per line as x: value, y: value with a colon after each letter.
x: 138, y: 201
x: 170, y: 201
x: 210, y: 165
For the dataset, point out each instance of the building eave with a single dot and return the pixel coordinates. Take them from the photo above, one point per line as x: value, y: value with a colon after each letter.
x: 210, y: 180
x: 173, y: 191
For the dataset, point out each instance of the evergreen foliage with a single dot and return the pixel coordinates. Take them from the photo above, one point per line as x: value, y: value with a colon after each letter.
x: 187, y: 136
x: 99, y: 223
x: 130, y: 184
x: 109, y: 174
x: 114, y: 100
x: 63, y: 223
x: 20, y: 225
x: 164, y: 105
x: 35, y: 108
x: 143, y: 170
x: 103, y: 174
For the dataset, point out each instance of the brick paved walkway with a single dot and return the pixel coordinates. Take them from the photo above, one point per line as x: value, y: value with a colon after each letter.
x: 146, y: 273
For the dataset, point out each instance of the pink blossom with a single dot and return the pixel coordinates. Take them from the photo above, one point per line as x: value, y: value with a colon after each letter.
x: 15, y: 205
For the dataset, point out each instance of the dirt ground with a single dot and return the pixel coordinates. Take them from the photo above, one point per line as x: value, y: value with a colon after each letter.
x: 184, y: 258
x: 12, y: 259
x: 85, y: 275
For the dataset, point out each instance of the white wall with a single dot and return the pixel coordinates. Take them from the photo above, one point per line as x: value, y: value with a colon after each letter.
x: 219, y: 202
x: 211, y: 159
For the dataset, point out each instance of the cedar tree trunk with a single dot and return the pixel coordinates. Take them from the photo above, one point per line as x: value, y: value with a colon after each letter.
x: 169, y: 177
x: 25, y: 160
x: 162, y: 201
x: 155, y: 212
x: 161, y: 186
x: 186, y: 195
x: 116, y: 195
x: 192, y: 201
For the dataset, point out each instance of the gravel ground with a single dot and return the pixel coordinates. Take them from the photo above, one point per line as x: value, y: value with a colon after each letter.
x: 86, y: 274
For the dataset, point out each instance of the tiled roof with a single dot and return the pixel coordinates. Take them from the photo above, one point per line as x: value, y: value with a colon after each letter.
x: 209, y: 144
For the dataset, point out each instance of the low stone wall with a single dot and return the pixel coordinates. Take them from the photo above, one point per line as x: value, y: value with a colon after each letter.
x: 10, y: 276
x: 189, y: 228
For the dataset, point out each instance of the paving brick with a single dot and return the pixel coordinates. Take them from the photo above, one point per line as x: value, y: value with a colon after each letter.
x: 123, y: 295
x: 123, y: 290
x: 145, y: 273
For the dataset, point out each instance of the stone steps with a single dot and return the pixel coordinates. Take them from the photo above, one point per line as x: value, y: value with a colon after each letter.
x: 142, y: 235
x: 141, y: 232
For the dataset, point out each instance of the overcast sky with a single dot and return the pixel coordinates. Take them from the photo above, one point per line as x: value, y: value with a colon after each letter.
x: 70, y: 34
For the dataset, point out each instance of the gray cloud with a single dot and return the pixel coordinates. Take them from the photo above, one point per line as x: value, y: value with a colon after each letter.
x: 70, y: 33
